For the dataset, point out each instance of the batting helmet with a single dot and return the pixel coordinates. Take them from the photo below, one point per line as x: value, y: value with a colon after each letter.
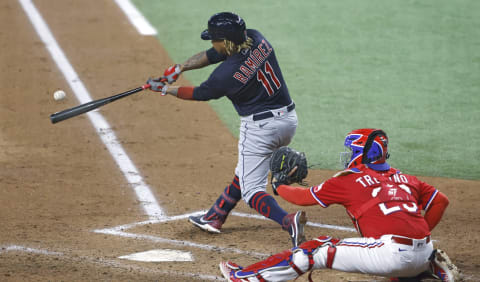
x: 225, y: 25
x: 366, y: 146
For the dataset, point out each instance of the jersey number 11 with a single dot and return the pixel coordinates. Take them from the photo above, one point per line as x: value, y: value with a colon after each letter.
x: 261, y: 77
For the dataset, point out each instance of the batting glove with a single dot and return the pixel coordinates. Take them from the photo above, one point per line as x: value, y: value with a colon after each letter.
x: 172, y: 73
x: 158, y: 85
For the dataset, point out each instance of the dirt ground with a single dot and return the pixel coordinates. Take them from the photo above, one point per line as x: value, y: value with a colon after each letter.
x: 59, y: 183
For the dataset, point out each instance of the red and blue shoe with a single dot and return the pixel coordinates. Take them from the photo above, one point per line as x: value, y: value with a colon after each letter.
x: 294, y: 224
x: 442, y: 267
x: 212, y: 225
x: 228, y: 269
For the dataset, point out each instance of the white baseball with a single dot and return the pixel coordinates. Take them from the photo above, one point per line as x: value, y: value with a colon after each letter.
x: 59, y: 95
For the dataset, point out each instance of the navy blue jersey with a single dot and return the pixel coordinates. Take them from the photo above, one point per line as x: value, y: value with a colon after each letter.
x: 251, y: 79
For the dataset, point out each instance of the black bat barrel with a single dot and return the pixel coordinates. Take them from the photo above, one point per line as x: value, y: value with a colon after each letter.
x: 78, y: 110
x: 83, y: 108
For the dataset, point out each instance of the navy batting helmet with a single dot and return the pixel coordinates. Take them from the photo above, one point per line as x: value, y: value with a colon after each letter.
x: 225, y: 25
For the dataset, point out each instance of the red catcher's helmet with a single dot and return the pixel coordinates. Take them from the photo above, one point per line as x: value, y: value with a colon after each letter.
x: 366, y: 146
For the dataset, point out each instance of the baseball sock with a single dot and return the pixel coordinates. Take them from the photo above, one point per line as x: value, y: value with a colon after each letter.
x: 267, y: 206
x: 226, y: 202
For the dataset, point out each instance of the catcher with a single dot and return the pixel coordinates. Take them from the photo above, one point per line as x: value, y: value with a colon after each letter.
x: 385, y: 207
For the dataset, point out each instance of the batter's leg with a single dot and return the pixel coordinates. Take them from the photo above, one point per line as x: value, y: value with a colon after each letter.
x: 213, y: 220
x: 294, y: 223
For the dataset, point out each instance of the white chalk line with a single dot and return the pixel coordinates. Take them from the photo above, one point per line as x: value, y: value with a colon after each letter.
x: 136, y: 18
x: 142, y: 191
x: 120, y: 232
x: 314, y: 224
x: 240, y: 214
x: 106, y: 262
x: 4, y: 249
x: 181, y: 243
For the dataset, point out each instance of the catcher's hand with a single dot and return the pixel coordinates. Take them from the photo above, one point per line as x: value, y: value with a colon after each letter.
x: 287, y: 166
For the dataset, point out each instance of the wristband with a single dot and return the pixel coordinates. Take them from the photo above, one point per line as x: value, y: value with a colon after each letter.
x: 164, y: 90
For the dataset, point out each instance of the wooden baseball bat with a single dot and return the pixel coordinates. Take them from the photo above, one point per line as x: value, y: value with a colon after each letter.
x: 92, y: 105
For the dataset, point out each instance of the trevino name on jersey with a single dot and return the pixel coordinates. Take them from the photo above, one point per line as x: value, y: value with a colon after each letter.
x: 251, y: 79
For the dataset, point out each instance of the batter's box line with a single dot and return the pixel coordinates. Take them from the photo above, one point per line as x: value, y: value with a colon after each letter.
x: 239, y: 214
x: 120, y: 231
x: 182, y: 243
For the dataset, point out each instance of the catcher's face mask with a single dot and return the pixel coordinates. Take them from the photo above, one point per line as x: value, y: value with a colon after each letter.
x: 345, y: 157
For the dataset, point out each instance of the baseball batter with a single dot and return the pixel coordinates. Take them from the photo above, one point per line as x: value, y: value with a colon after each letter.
x: 248, y: 75
x: 384, y: 205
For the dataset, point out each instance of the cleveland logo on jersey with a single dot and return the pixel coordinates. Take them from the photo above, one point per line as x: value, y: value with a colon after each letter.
x: 253, y: 62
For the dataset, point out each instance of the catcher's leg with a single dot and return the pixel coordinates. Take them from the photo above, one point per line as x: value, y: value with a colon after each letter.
x: 213, y: 220
x: 283, y: 266
x: 382, y: 256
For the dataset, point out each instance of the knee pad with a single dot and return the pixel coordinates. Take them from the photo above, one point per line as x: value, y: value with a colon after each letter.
x: 323, y: 241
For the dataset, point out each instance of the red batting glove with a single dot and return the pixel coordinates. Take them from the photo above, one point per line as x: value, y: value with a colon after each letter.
x: 172, y: 73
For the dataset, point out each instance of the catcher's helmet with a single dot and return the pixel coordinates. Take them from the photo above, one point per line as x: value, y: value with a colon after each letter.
x: 366, y: 146
x: 225, y: 25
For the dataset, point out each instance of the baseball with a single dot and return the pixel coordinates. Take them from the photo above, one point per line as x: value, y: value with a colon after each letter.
x: 59, y: 95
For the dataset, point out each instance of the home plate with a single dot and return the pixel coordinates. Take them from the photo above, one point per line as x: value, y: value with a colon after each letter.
x: 160, y: 255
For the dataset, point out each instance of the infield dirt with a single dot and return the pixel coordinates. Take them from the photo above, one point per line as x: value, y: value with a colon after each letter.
x: 59, y: 183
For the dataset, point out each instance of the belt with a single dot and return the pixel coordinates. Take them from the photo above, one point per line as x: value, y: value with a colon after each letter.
x: 270, y: 114
x: 406, y: 241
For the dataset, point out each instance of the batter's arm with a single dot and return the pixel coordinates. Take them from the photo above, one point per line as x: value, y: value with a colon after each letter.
x: 182, y: 92
x: 196, y: 61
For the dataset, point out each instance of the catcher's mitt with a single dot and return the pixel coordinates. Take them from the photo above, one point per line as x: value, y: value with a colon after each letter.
x: 282, y: 165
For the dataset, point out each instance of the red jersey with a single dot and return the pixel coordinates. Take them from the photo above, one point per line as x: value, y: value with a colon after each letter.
x: 379, y: 203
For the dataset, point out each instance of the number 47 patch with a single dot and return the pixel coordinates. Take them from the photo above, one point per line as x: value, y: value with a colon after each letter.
x: 391, y: 195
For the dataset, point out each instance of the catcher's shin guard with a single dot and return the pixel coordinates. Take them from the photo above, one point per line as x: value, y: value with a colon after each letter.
x: 278, y: 262
x: 288, y: 264
x: 228, y: 269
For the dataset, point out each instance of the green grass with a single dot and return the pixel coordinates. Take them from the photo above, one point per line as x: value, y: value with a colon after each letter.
x: 411, y: 68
